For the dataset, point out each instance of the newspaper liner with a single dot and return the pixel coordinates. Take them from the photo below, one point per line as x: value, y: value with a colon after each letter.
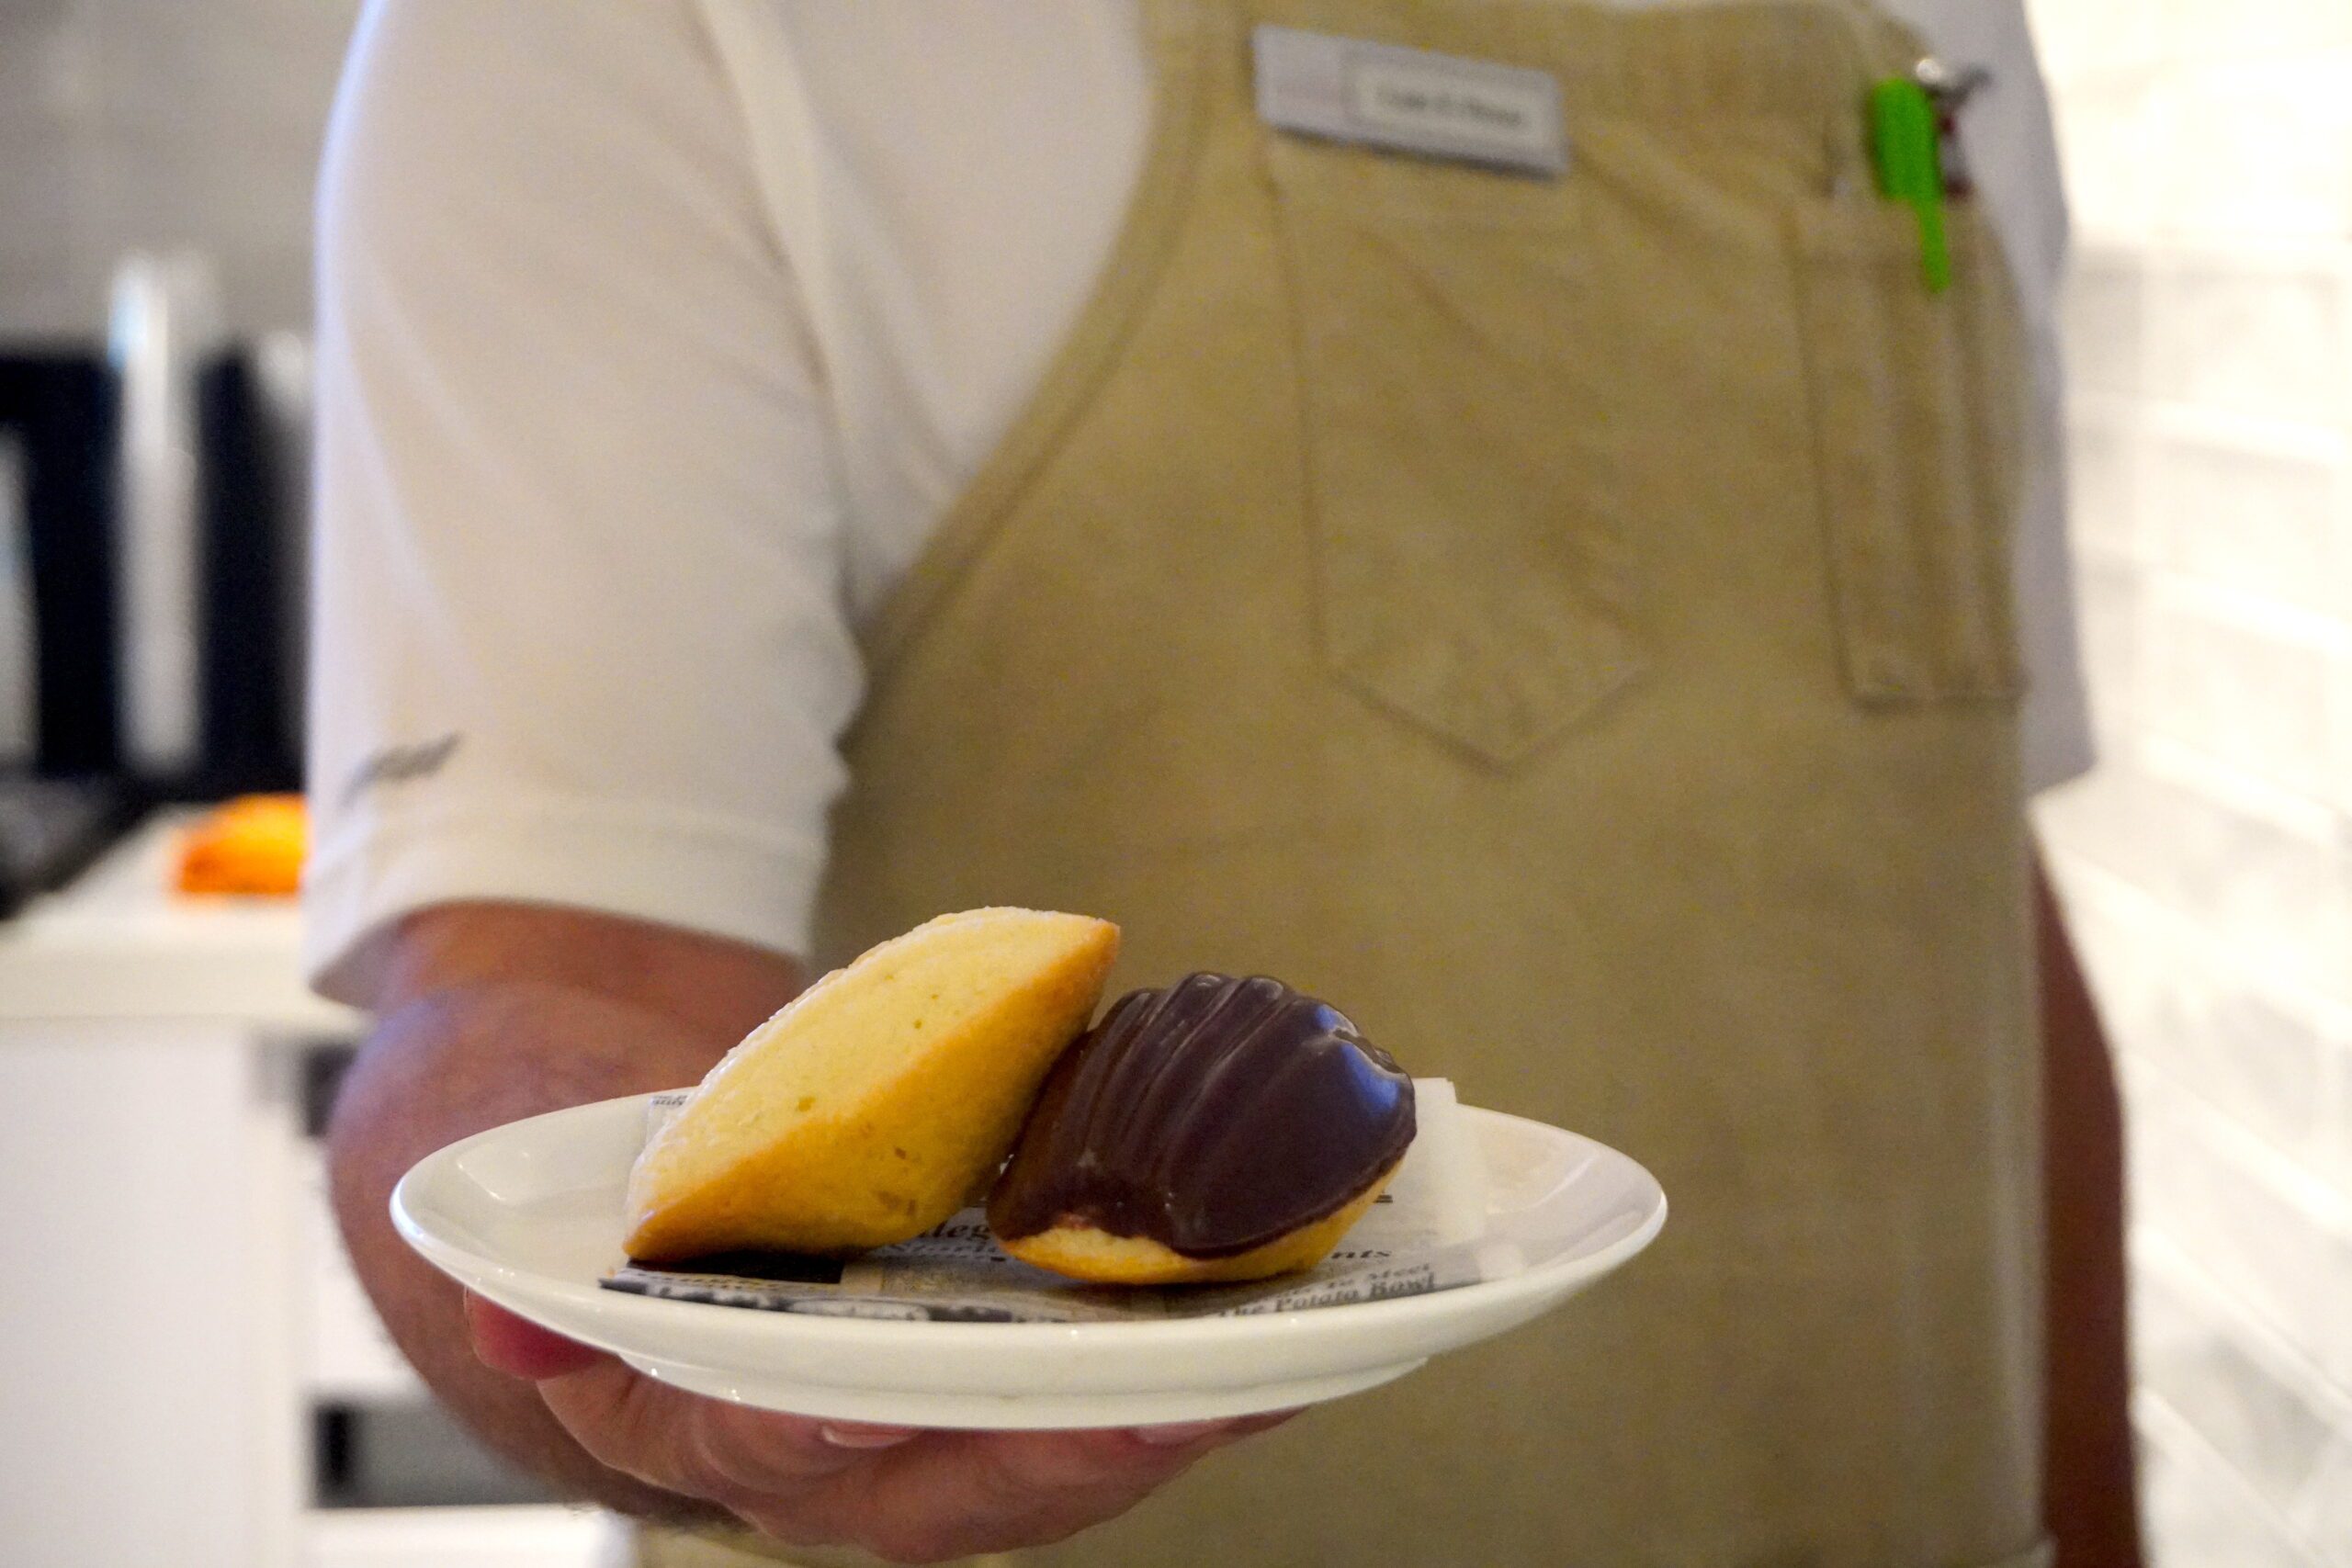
x: 1422, y: 1236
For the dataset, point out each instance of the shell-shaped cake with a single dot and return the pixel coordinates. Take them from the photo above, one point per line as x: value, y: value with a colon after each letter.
x: 1219, y: 1129
x: 870, y: 1108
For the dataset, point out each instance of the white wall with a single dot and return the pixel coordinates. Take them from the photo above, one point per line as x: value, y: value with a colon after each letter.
x: 2209, y: 863
x: 159, y: 123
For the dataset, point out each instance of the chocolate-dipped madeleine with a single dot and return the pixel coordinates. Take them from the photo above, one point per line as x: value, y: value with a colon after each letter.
x: 1220, y: 1129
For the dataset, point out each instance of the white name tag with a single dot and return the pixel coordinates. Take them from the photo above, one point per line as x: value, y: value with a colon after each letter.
x: 1409, y: 100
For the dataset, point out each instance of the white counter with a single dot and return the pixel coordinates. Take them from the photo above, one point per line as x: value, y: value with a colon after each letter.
x: 118, y: 945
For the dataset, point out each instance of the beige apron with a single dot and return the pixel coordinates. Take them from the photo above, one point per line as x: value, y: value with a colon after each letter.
x: 1564, y: 624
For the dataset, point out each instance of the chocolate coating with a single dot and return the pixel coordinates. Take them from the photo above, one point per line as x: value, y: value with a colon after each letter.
x: 1212, y: 1117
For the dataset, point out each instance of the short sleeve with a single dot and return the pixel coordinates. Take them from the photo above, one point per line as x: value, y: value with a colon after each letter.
x: 577, y: 633
x: 2012, y: 149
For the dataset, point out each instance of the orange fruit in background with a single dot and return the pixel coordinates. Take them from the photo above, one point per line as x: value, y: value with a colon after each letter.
x: 253, y: 844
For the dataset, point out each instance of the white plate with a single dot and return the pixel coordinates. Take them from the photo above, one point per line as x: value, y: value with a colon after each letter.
x: 529, y: 1215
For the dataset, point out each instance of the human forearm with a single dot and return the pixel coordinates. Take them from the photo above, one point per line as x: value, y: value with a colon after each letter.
x: 453, y: 1063
x: 2090, y: 1500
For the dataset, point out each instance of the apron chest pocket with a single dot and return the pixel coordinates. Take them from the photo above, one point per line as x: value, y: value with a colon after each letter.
x: 1462, y: 483
x: 1918, y: 407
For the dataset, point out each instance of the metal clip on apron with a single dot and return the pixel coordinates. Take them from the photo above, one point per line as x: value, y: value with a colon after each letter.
x: 1566, y: 621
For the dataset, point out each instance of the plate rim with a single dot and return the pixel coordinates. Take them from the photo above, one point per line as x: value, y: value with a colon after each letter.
x: 815, y: 1330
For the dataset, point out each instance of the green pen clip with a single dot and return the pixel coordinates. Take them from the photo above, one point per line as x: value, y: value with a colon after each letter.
x: 1906, y: 148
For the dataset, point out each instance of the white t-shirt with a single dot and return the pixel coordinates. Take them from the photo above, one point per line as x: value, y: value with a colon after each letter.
x: 654, y: 339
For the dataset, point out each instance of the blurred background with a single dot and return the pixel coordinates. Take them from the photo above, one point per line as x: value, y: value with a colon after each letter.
x: 167, y: 1074
x: 2207, y: 865
x: 191, y: 1376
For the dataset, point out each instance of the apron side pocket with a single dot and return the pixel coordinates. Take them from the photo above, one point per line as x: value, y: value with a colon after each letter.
x: 1917, y: 409
x: 1465, y: 496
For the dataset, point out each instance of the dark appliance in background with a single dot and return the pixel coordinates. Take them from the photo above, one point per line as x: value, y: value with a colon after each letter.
x: 250, y: 577
x: 237, y: 604
x: 63, y: 799
x: 60, y: 408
